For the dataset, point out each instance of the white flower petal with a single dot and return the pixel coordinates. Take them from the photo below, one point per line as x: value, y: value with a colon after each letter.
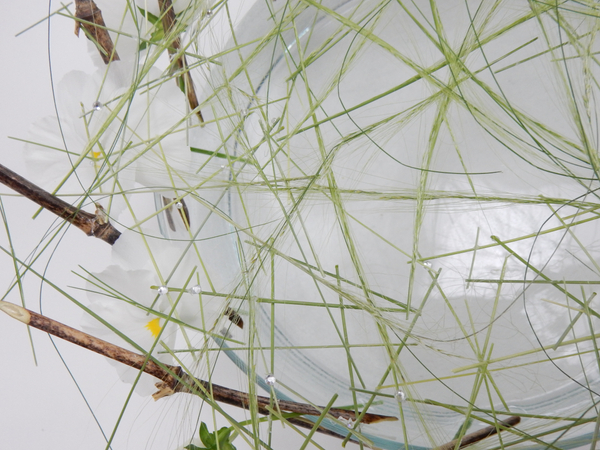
x: 125, y: 301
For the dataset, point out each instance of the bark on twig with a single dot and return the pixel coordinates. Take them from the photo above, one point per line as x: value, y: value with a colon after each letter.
x: 168, y: 21
x: 480, y: 434
x: 173, y: 378
x: 89, y: 16
x: 189, y: 384
x: 96, y: 225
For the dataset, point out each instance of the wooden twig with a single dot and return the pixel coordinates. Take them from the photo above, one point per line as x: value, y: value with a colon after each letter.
x: 96, y: 225
x: 168, y: 19
x: 192, y: 385
x: 480, y: 434
x: 89, y: 16
x: 173, y: 378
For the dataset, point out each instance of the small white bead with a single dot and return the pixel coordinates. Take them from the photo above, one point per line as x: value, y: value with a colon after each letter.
x: 348, y: 422
x: 163, y: 290
x: 400, y: 395
x: 270, y: 379
x: 195, y: 289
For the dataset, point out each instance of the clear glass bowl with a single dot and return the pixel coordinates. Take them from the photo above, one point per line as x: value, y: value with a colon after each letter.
x: 407, y: 214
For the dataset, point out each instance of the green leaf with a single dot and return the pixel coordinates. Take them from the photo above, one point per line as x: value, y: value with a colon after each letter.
x: 158, y: 32
x: 207, y: 437
x: 208, y: 152
x: 181, y: 84
x: 157, y: 35
x: 151, y: 17
x: 223, y: 435
x: 216, y: 154
x: 466, y: 424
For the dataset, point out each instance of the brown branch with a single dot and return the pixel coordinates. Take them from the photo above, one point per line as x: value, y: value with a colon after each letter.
x: 89, y: 16
x: 96, y: 225
x: 480, y: 434
x: 233, y: 397
x: 173, y: 378
x: 168, y: 22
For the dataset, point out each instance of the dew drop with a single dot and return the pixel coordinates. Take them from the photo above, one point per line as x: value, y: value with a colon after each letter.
x: 163, y: 290
x: 178, y: 205
x: 209, y: 12
x: 195, y: 289
x: 270, y: 379
x: 400, y: 395
x: 97, y: 105
x: 427, y: 264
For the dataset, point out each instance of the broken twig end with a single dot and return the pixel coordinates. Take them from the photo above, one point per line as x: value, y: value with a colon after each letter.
x: 164, y: 390
x: 16, y: 312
